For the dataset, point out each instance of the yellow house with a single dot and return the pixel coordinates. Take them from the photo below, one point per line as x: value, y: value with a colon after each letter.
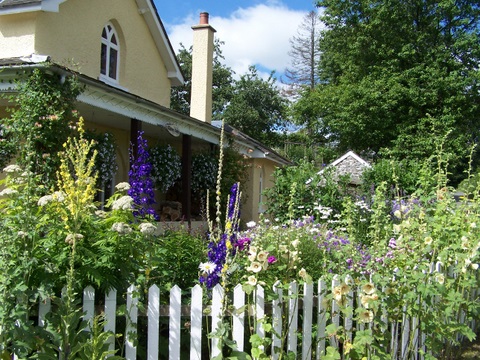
x: 121, y: 53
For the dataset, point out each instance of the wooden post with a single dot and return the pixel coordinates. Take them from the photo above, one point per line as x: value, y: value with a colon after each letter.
x: 186, y: 178
x: 135, y: 127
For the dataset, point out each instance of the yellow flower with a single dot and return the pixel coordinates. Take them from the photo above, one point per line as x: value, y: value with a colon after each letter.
x: 428, y: 240
x: 366, y: 316
x: 347, y: 346
x: 368, y: 288
x: 344, y: 289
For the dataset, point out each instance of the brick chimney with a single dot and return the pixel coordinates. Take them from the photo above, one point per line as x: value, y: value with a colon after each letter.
x: 202, y: 70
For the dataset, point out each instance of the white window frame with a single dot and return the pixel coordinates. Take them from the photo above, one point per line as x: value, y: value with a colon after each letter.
x: 109, y: 46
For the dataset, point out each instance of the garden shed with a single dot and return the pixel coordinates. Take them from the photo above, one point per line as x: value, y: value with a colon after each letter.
x: 349, y: 164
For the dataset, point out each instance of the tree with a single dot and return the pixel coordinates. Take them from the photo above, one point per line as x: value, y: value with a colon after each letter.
x: 256, y: 107
x: 305, y: 53
x: 394, y: 73
x: 222, y: 82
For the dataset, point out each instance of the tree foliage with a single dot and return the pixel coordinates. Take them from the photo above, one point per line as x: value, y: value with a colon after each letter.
x: 257, y: 107
x: 395, y: 73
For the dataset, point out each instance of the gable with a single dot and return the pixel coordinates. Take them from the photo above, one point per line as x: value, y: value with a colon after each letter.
x: 72, y: 37
x: 349, y: 164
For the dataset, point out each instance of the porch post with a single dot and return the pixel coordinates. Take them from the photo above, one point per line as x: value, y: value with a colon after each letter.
x: 135, y: 127
x: 186, y: 177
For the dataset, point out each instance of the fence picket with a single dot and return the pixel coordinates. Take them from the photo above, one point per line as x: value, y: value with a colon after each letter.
x: 131, y: 323
x: 322, y: 318
x: 153, y: 316
x: 196, y: 323
x: 110, y: 316
x: 44, y: 308
x: 292, y: 317
x: 217, y: 302
x: 348, y: 320
x: 335, y: 312
x: 238, y: 329
x: 174, y: 324
x: 88, y: 306
x: 259, y: 310
x: 307, y: 321
x: 277, y: 305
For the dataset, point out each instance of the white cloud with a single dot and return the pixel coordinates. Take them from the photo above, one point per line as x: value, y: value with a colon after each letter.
x: 257, y: 35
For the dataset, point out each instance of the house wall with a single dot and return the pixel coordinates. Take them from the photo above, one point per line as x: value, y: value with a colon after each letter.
x: 72, y: 37
x: 260, y: 171
x: 17, y: 37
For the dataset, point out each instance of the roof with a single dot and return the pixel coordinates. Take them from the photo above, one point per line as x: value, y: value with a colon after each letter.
x: 354, y: 172
x: 347, y: 155
x: 110, y: 98
x: 255, y: 148
x: 145, y: 7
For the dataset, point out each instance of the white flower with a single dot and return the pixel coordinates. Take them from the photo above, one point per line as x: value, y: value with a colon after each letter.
x: 295, y: 243
x: 302, y: 273
x: 440, y: 278
x: 70, y: 239
x: 255, y: 267
x: 251, y: 224
x: 428, y: 240
x: 121, y: 228
x: 12, y: 169
x: 124, y: 203
x: 147, y: 228
x: 262, y: 256
x: 22, y: 234
x: 207, y: 267
x: 475, y: 266
x: 252, y: 280
x: 8, y: 191
x: 58, y: 196
x: 44, y: 200
x: 123, y: 186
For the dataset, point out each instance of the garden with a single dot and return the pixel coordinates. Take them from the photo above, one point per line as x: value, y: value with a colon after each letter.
x: 370, y: 264
x: 388, y: 270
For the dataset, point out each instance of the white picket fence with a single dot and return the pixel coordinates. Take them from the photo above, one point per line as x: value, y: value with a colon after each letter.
x: 405, y: 335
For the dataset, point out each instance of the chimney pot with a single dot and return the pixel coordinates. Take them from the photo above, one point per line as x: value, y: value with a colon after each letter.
x: 204, y: 18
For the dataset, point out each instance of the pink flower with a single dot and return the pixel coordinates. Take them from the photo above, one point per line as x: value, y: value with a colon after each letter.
x: 272, y: 259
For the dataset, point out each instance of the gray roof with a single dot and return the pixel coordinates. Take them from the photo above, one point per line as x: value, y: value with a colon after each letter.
x: 14, y: 3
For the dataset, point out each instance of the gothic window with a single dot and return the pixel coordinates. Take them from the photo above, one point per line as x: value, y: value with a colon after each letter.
x: 109, y: 54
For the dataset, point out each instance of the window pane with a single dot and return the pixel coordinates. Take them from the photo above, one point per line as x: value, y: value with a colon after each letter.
x: 103, y: 60
x: 112, y: 71
x: 104, y: 34
x: 114, y: 39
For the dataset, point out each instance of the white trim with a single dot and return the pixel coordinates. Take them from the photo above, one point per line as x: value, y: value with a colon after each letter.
x: 111, y: 32
x: 45, y: 5
x: 350, y: 154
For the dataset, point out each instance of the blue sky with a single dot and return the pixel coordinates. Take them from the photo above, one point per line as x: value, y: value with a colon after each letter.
x: 255, y: 32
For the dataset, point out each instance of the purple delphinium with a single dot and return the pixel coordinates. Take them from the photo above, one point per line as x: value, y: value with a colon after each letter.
x: 141, y: 183
x: 218, y: 250
x: 217, y: 253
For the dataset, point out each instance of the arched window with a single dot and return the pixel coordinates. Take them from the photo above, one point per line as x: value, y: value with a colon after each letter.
x: 110, y: 54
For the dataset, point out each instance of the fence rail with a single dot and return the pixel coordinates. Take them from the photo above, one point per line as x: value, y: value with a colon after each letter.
x: 305, y: 313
